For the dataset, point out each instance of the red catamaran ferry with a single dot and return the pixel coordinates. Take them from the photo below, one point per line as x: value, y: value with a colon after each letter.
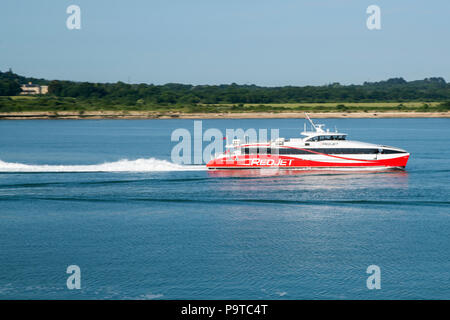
x: 319, y: 149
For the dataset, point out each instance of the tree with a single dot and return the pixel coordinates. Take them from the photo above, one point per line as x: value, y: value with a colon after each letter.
x: 9, y: 88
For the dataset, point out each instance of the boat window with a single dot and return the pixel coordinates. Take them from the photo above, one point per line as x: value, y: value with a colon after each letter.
x: 303, y: 151
x: 257, y: 150
x: 388, y: 151
x: 328, y: 151
x: 292, y: 151
x: 325, y: 138
x: 264, y: 150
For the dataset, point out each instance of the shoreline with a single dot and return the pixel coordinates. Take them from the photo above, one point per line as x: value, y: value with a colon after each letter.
x: 75, y: 115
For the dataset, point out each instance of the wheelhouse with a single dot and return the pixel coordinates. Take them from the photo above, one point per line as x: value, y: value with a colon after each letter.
x: 326, y: 137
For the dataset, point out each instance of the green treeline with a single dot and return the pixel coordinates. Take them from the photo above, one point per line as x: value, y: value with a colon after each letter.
x: 116, y: 95
x: 432, y: 89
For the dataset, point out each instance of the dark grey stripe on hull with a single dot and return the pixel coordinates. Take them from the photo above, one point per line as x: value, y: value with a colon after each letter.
x: 303, y: 168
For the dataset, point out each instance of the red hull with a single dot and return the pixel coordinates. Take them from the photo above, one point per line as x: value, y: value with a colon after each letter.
x: 286, y: 162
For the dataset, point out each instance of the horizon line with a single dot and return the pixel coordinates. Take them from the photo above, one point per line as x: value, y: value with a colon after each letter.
x: 232, y: 83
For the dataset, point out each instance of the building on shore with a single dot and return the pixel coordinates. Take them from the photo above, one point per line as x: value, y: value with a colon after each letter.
x: 31, y: 89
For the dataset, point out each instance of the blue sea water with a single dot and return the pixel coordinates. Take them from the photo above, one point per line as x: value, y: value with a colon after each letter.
x: 137, y: 232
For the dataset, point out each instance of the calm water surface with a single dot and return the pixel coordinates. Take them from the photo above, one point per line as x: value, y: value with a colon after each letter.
x: 193, y: 234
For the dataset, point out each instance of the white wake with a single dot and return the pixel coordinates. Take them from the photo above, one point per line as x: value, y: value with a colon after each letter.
x: 139, y: 165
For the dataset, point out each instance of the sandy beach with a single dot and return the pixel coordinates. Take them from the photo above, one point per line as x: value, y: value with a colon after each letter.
x: 177, y: 115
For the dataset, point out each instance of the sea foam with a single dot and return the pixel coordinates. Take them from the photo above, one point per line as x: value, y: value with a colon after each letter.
x: 125, y: 165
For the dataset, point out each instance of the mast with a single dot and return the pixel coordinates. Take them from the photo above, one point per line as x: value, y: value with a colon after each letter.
x: 317, y: 127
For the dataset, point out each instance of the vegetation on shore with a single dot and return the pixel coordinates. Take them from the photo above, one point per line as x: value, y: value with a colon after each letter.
x: 428, y: 95
x: 58, y: 104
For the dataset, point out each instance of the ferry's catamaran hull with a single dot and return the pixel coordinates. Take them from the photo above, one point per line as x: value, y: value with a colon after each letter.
x: 286, y: 162
x: 320, y: 149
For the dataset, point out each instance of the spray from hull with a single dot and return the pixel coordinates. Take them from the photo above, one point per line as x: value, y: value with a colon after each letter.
x: 125, y: 165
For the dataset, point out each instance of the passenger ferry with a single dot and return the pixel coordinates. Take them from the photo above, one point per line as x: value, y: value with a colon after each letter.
x: 318, y: 149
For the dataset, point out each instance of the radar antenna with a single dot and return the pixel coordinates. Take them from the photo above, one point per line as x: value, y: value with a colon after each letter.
x: 317, y: 127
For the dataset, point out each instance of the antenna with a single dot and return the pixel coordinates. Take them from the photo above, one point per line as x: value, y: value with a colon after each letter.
x: 310, y: 121
x: 317, y: 127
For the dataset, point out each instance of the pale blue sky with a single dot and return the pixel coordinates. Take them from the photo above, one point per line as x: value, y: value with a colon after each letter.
x: 212, y: 42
